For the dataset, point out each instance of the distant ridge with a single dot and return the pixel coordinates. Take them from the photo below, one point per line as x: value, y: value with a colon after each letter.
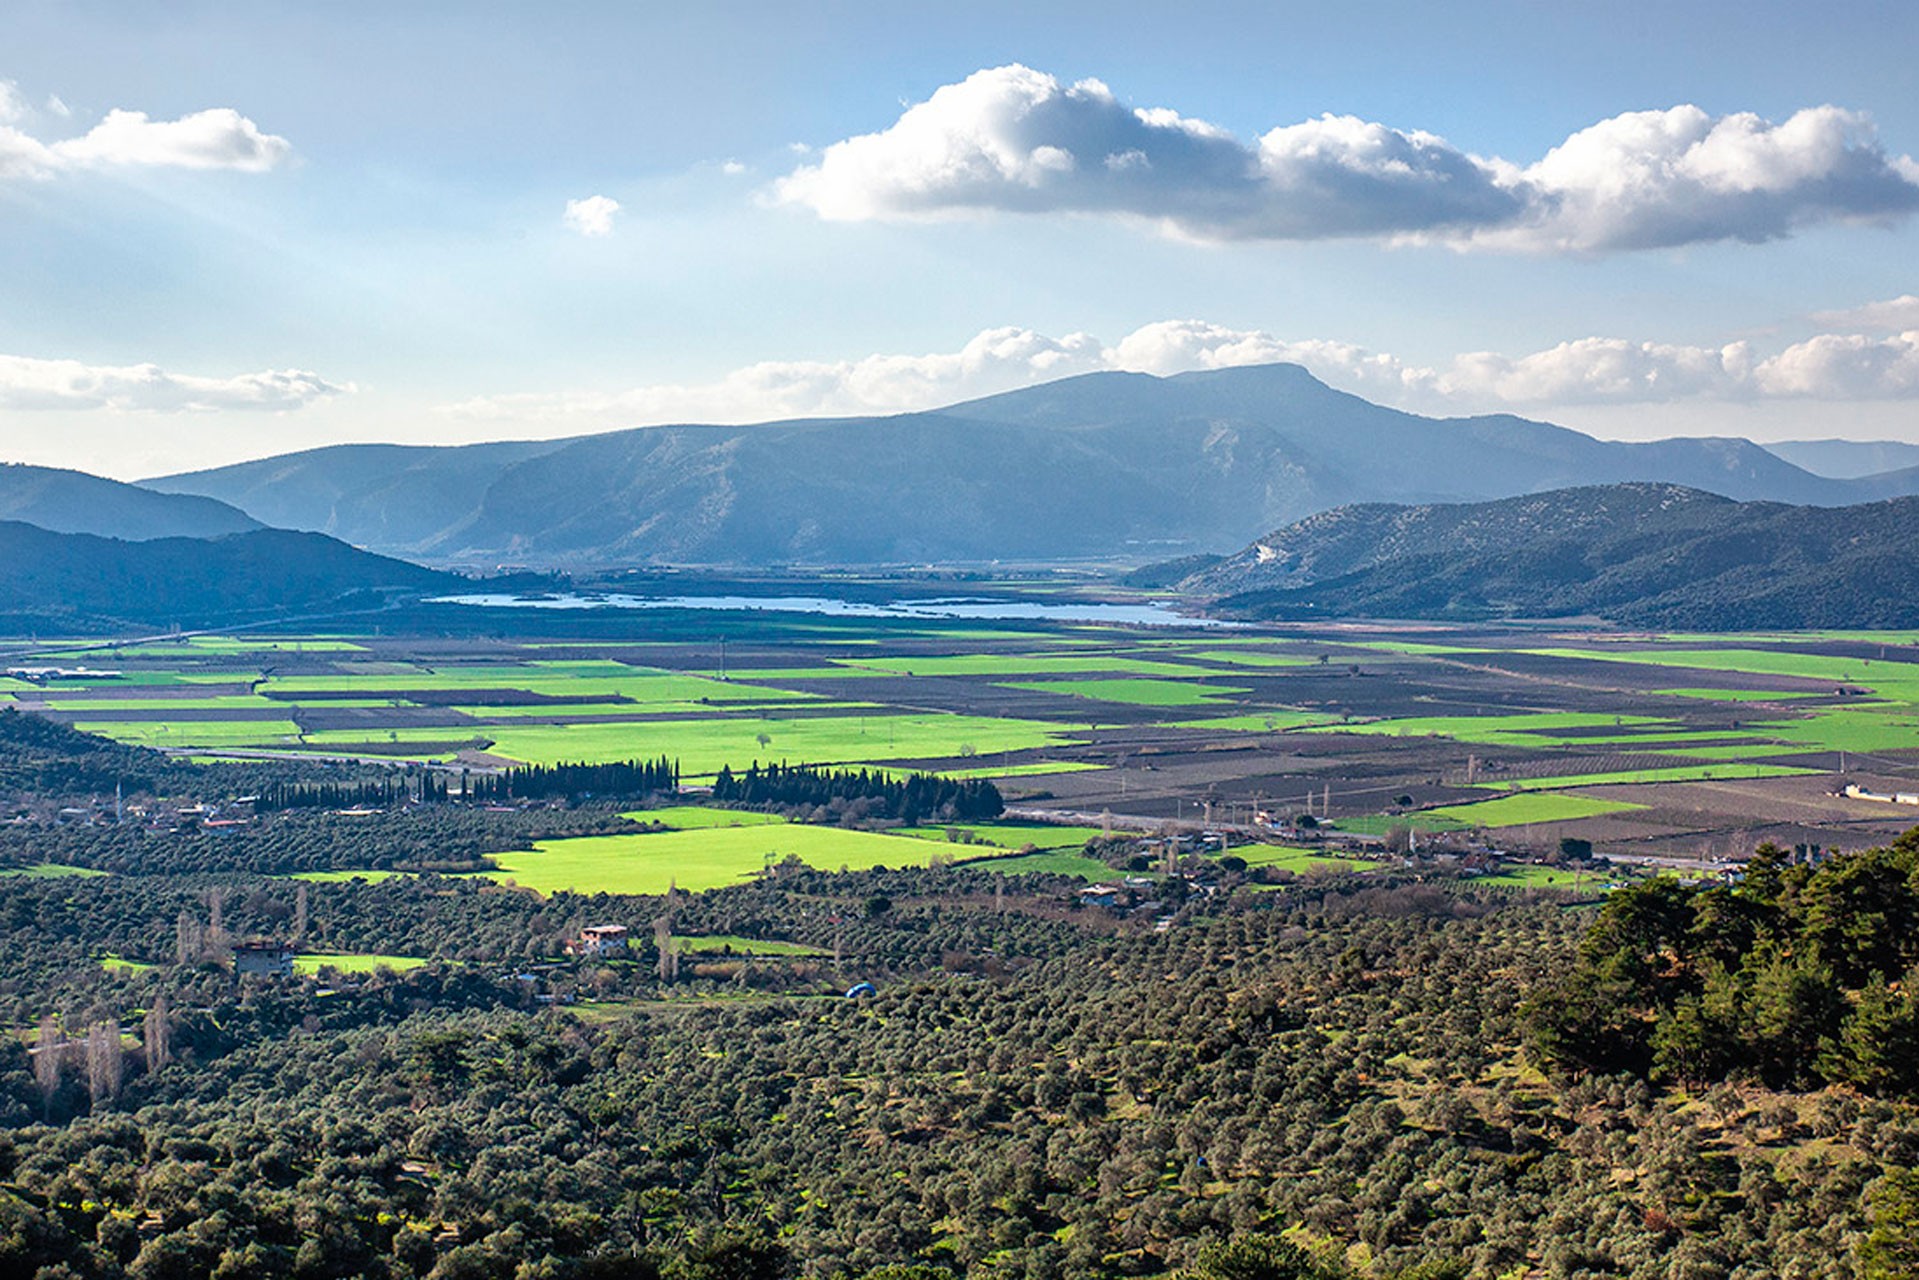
x: 1638, y: 554
x: 1104, y: 466
x: 77, y: 583
x: 1847, y: 459
x: 74, y: 502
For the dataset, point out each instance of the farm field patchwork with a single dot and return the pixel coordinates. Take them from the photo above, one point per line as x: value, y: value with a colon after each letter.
x: 1134, y: 692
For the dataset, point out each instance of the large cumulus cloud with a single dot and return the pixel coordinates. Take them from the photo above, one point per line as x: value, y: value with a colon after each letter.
x: 1015, y: 140
x: 217, y: 138
x: 28, y: 383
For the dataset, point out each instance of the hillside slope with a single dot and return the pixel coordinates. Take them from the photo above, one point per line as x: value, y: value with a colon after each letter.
x: 1109, y: 465
x: 81, y: 583
x: 1639, y: 554
x: 74, y: 502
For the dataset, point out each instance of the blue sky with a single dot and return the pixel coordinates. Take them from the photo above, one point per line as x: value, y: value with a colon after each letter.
x: 350, y: 222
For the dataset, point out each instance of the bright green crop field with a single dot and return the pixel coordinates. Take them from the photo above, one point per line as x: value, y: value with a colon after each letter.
x: 697, y: 860
x: 355, y: 963
x: 1524, y: 810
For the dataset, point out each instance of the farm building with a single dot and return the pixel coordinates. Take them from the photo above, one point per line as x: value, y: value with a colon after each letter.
x: 599, y: 940
x: 267, y: 959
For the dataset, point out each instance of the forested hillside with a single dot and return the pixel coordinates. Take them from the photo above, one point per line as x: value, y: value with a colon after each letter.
x: 1036, y: 1089
x: 1638, y: 554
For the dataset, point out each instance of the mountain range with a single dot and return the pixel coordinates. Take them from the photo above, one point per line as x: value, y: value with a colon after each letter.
x: 1640, y: 554
x: 1103, y: 466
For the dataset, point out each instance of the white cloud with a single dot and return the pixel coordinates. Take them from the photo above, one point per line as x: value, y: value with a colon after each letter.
x: 218, y: 138
x: 592, y: 216
x: 1893, y: 313
x: 1014, y: 140
x: 57, y: 105
x: 1590, y: 371
x: 732, y: 168
x: 28, y: 383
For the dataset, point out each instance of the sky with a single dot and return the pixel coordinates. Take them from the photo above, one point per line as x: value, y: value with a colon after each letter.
x: 232, y: 230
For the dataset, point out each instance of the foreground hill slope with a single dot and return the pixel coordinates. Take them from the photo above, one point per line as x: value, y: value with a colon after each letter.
x: 1640, y: 554
x: 75, y: 502
x: 1105, y: 465
x: 75, y: 581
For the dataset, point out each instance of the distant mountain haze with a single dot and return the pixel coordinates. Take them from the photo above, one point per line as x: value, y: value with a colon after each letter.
x: 1105, y: 466
x: 1847, y: 459
x: 75, y: 502
x: 1639, y: 554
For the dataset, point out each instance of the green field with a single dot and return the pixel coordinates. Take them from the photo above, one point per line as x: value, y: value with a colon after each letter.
x: 117, y: 964
x: 354, y: 963
x: 1532, y: 877
x: 1524, y: 810
x: 744, y: 946
x: 1296, y: 860
x: 1139, y: 692
x: 1008, y: 835
x: 1055, y: 863
x: 703, y: 746
x: 195, y: 733
x: 697, y: 860
x: 49, y: 871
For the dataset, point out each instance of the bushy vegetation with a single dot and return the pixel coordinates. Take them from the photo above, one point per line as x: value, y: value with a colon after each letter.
x: 1800, y: 975
x: 863, y: 793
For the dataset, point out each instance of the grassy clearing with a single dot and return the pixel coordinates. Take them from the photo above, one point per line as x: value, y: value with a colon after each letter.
x: 1133, y: 692
x: 48, y: 871
x: 1054, y: 863
x: 358, y: 962
x: 1679, y: 773
x: 1532, y: 877
x: 1296, y: 860
x: 1524, y: 810
x: 711, y: 943
x: 116, y: 964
